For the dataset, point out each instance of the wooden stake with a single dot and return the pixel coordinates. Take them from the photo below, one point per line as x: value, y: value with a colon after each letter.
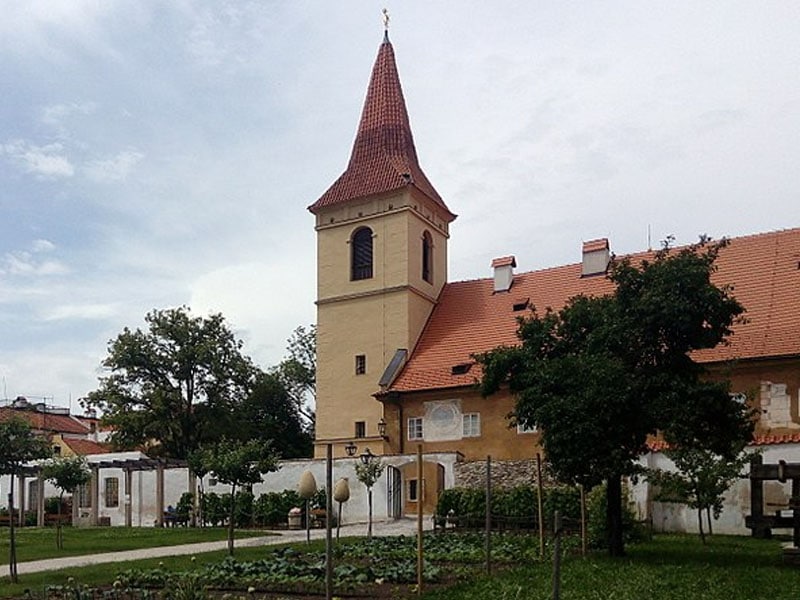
x: 420, y: 501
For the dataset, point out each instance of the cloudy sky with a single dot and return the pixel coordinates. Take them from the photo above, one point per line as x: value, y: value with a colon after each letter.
x: 155, y: 154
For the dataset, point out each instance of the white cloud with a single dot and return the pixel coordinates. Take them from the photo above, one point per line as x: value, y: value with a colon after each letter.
x: 79, y: 311
x: 55, y: 114
x: 113, y: 169
x: 43, y: 246
x: 45, y: 161
x: 23, y: 263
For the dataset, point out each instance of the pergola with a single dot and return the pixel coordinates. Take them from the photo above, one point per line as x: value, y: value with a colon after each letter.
x: 128, y: 466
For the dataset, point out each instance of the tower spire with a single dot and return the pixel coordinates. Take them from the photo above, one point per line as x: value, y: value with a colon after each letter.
x: 383, y: 158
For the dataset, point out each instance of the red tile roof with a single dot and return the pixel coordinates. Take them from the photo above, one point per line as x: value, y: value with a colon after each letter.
x: 384, y: 157
x: 84, y: 447
x: 504, y: 261
x: 595, y: 245
x: 45, y: 421
x: 764, y: 270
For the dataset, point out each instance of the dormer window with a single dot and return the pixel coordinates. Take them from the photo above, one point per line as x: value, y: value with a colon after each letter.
x: 460, y: 369
x: 361, y: 254
x: 427, y: 257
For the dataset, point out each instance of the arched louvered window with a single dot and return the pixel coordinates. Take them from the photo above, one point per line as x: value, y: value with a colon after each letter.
x: 427, y: 257
x: 361, y: 254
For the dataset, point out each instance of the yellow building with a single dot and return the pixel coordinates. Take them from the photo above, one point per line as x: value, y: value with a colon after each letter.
x: 396, y: 340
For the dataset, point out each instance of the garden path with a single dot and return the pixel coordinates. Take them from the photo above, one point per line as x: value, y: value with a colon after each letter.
x: 379, y: 528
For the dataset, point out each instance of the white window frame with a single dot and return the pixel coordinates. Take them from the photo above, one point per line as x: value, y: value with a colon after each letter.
x: 471, y: 425
x: 523, y: 430
x: 416, y: 429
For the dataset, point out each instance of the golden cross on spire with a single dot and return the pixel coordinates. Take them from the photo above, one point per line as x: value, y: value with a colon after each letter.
x: 386, y: 19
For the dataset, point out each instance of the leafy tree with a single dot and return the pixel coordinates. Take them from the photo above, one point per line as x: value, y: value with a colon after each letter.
x: 604, y: 373
x: 298, y: 371
x: 269, y: 412
x: 67, y: 474
x: 368, y: 472
x: 173, y: 386
x: 238, y: 464
x: 19, y: 445
x: 700, y: 482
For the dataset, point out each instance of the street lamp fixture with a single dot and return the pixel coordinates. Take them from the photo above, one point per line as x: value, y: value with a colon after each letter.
x: 351, y: 449
x: 366, y: 457
x: 382, y: 428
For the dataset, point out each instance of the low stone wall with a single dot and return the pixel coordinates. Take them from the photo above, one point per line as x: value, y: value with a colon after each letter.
x: 505, y: 474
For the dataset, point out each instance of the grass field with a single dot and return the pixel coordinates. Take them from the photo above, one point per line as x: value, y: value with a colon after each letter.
x: 34, y: 543
x: 669, y: 567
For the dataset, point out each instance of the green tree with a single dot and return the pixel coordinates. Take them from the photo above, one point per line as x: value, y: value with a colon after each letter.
x: 19, y: 445
x: 368, y: 472
x: 604, y: 373
x: 298, y: 372
x: 269, y: 412
x: 237, y: 464
x: 700, y: 482
x: 175, y: 385
x: 67, y: 474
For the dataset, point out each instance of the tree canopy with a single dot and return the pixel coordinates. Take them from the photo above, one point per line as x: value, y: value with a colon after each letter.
x: 603, y: 373
x: 298, y: 372
x: 66, y: 473
x: 172, y: 386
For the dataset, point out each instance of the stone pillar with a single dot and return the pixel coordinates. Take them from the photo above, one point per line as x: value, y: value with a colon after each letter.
x: 21, y: 500
x: 128, y: 497
x: 94, y: 493
x: 160, y: 496
x: 40, y: 500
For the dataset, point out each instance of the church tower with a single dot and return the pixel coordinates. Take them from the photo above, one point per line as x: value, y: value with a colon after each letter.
x: 382, y: 232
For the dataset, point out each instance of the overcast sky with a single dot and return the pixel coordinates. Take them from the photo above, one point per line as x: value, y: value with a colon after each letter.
x: 156, y: 154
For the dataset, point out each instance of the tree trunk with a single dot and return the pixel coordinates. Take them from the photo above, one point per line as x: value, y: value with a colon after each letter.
x: 700, y: 525
x: 369, y: 526
x: 12, y: 542
x: 230, y: 520
x: 708, y: 518
x: 616, y: 543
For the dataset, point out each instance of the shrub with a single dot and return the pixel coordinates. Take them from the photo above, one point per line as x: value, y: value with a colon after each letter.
x: 214, y: 510
x: 273, y: 508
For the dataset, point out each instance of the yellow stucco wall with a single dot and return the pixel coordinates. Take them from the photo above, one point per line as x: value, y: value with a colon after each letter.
x: 496, y: 438
x: 372, y: 317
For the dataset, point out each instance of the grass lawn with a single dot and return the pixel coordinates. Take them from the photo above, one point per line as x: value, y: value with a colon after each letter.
x: 670, y: 567
x: 36, y: 543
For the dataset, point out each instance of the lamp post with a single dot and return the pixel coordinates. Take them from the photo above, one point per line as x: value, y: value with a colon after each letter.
x: 368, y: 472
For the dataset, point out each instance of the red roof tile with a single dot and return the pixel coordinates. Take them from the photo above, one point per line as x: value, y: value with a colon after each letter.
x: 384, y: 157
x: 84, y: 447
x: 45, y: 421
x: 764, y: 270
x: 595, y: 245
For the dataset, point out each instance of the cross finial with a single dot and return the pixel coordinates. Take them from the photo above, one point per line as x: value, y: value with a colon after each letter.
x: 386, y: 19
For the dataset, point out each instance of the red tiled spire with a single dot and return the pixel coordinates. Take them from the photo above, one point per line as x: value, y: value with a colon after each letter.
x: 384, y: 157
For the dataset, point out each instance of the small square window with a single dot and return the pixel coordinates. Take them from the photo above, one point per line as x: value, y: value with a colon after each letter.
x: 361, y: 364
x: 415, y: 428
x: 526, y: 429
x: 472, y: 425
x: 361, y: 429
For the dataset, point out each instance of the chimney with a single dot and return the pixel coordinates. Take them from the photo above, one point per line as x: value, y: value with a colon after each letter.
x: 503, y: 273
x: 596, y: 256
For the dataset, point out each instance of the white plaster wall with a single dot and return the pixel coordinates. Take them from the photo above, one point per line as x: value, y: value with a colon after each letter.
x: 736, y: 502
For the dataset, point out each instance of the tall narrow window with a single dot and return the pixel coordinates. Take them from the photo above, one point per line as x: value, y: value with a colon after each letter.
x: 84, y: 496
x: 361, y: 429
x: 427, y: 257
x: 361, y: 364
x: 361, y: 254
x: 415, y: 428
x: 112, y: 491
